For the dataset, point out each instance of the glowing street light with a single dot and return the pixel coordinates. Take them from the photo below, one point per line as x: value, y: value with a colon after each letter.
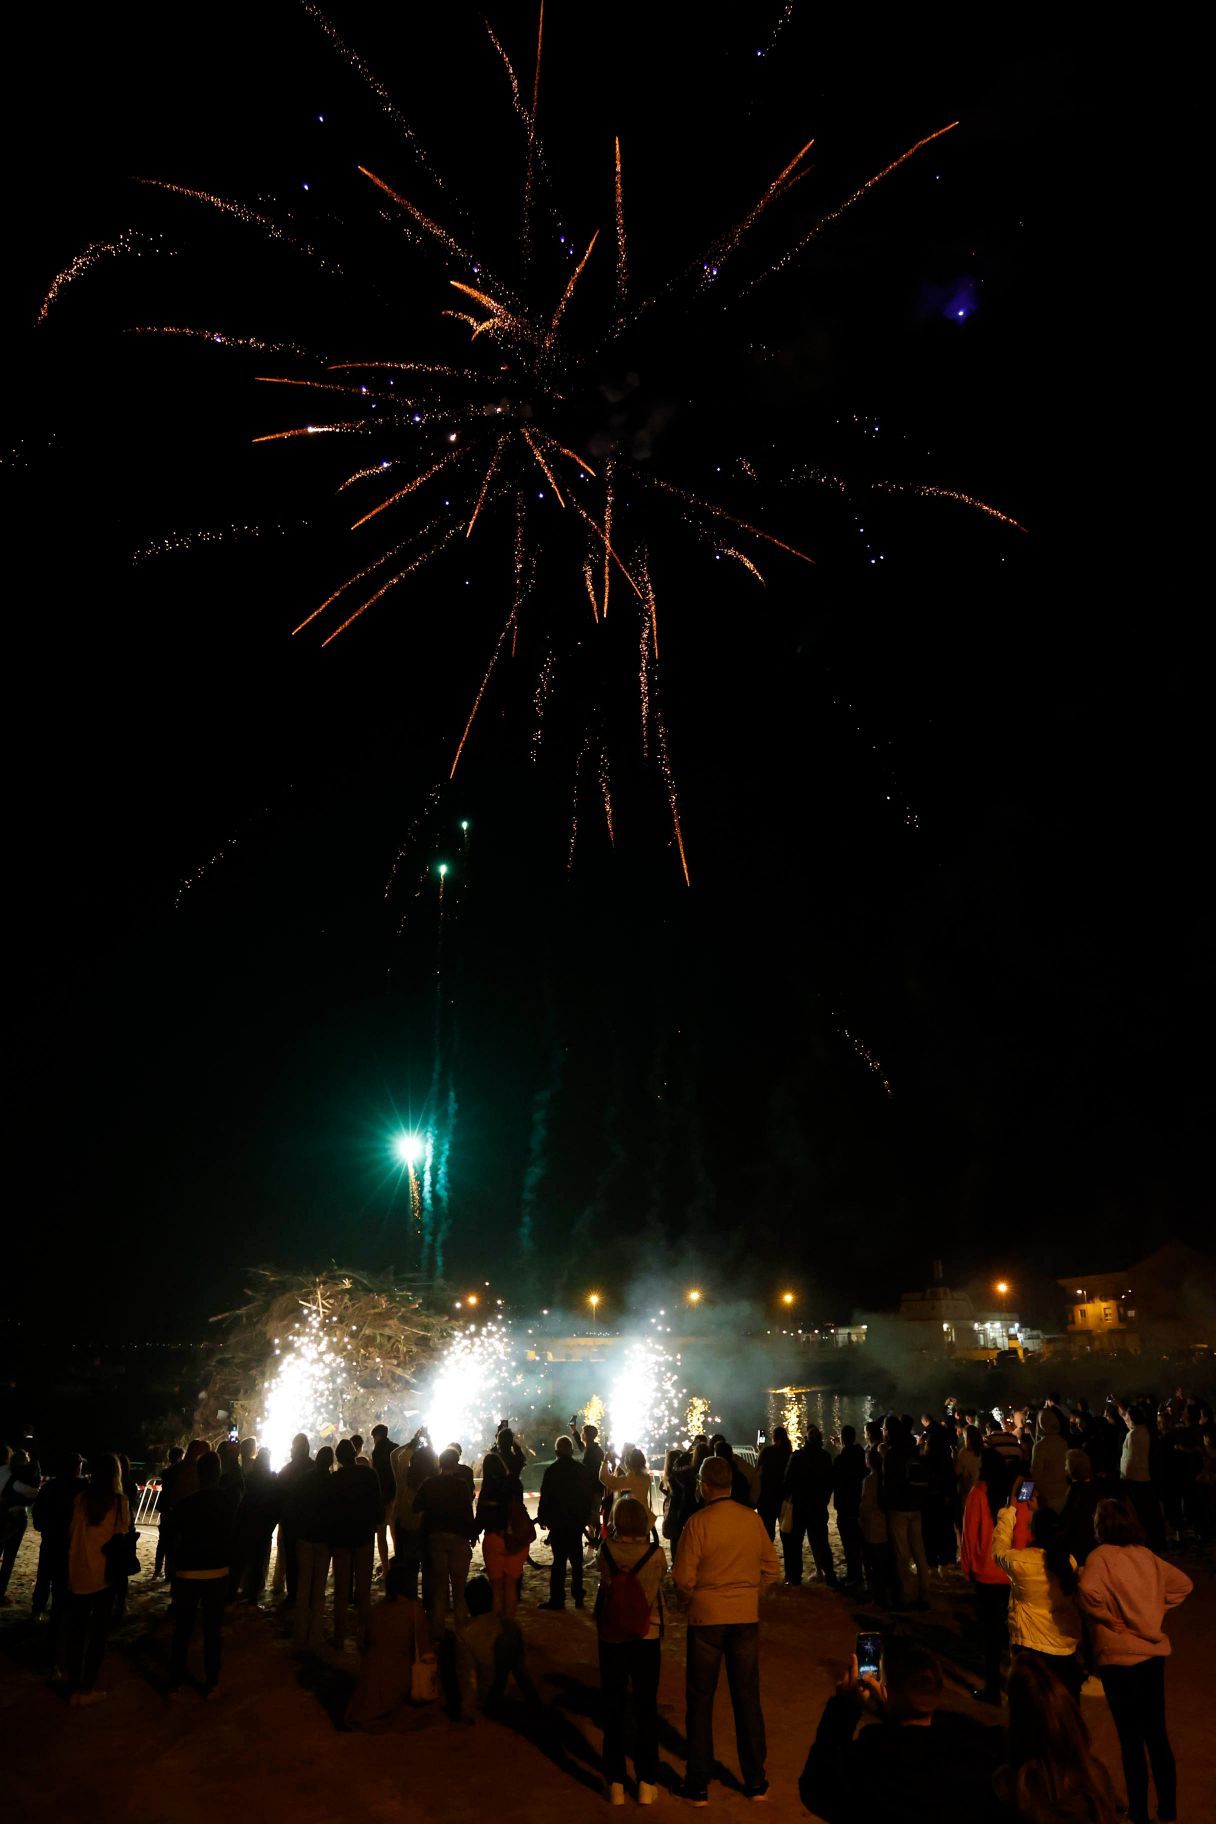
x: 1002, y: 1286
x: 593, y: 1299
x: 788, y: 1298
x: 471, y: 1298
x: 695, y: 1296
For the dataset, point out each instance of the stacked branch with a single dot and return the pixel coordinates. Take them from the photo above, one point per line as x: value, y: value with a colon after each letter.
x: 378, y: 1334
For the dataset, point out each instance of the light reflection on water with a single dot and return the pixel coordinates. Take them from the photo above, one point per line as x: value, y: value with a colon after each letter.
x: 797, y: 1408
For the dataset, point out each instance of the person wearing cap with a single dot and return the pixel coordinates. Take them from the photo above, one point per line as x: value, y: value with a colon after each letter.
x: 917, y: 1760
x: 724, y: 1559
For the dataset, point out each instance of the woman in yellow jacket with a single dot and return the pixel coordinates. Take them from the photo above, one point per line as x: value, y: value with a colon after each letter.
x: 1043, y: 1616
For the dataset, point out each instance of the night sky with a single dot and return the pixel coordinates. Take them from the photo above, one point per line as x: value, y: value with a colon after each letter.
x: 948, y: 802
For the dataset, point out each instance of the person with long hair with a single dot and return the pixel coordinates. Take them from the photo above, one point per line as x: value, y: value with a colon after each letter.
x: 99, y: 1513
x: 1125, y: 1592
x: 500, y: 1520
x: 629, y: 1646
x: 989, y: 1583
x: 1052, y: 1775
x: 1043, y: 1616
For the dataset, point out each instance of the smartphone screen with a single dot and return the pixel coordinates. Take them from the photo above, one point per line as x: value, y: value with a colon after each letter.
x: 869, y: 1655
x: 1026, y: 1491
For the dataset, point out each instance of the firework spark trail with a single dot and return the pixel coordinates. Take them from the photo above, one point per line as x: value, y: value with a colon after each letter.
x: 543, y: 466
x: 410, y: 840
x: 669, y: 780
x: 834, y: 215
x: 609, y: 495
x: 622, y: 247
x: 865, y: 1054
x: 415, y: 367
x: 376, y: 468
x: 590, y: 586
x: 446, y: 240
x: 129, y: 241
x: 740, y: 557
x: 205, y: 535
x: 651, y: 617
x: 501, y: 317
x: 530, y: 161
x: 315, y: 430
x: 498, y: 646
x: 375, y: 87
x: 717, y: 512
x: 328, y: 386
x: 409, y: 488
x: 930, y: 492
x: 540, y: 702
x: 644, y: 638
x: 489, y: 476
x: 568, y: 293
x: 615, y: 557
x: 729, y: 243
x: 605, y: 779
x: 584, y: 753
x: 204, y: 868
x: 424, y: 557
x: 241, y: 212
x: 376, y: 563
x: 219, y: 337
x: 572, y: 454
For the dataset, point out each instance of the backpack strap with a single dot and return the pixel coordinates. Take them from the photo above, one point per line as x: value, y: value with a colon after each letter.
x: 647, y: 1555
x: 612, y: 1563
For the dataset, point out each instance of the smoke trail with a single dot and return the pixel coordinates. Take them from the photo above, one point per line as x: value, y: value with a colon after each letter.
x: 538, y: 1146
x: 444, y: 1225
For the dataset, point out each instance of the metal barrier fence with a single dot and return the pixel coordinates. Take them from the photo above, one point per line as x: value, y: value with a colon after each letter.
x: 148, y: 1508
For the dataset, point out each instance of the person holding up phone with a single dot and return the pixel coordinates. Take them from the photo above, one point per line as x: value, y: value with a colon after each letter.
x: 1043, y: 1616
x: 917, y: 1760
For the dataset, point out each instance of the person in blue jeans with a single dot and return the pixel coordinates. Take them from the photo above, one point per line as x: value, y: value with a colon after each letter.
x: 725, y: 1558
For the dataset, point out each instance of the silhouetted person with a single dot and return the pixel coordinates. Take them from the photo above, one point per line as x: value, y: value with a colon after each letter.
x: 772, y: 1462
x: 563, y: 1513
x: 848, y: 1474
x: 808, y: 1487
x: 204, y: 1538
x: 291, y: 1479
x: 354, y: 1517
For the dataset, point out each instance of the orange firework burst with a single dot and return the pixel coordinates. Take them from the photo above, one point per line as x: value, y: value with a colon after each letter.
x: 549, y: 338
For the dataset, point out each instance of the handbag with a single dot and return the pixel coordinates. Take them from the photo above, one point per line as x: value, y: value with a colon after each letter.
x: 787, y: 1516
x: 424, y: 1674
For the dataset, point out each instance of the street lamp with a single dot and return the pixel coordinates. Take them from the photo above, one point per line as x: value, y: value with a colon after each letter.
x: 593, y: 1299
x: 788, y: 1298
x: 694, y: 1296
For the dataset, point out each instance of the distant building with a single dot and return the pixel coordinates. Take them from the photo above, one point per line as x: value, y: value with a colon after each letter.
x: 1163, y: 1305
x: 941, y: 1321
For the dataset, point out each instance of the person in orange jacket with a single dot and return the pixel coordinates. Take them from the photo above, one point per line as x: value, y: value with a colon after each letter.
x: 988, y: 1581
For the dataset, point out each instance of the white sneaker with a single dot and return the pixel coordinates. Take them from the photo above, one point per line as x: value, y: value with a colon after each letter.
x: 647, y: 1795
x: 616, y: 1793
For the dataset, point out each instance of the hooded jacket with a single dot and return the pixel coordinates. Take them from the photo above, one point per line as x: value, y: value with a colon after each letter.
x: 1040, y: 1614
x: 1125, y: 1591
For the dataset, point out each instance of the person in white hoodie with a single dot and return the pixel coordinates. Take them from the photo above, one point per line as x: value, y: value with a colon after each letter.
x: 1125, y: 1591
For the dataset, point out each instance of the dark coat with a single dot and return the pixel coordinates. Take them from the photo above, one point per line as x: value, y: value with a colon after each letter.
x: 565, y: 1495
x: 356, y: 1506
x: 202, y: 1530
